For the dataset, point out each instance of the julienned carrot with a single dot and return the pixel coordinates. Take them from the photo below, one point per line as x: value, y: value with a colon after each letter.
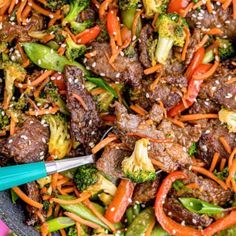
x: 214, y: 161
x: 103, y: 7
x: 82, y: 221
x: 230, y: 179
x: 26, y: 199
x: 226, y: 4
x: 4, y: 6
x: 103, y: 143
x: 184, y: 12
x: 19, y: 11
x: 54, y: 181
x: 154, y: 84
x: 177, y: 122
x: 97, y: 91
x: 68, y: 190
x: 198, y: 4
x: 12, y: 5
x: 40, y: 216
x: 81, y: 101
x: 44, y: 228
x: 41, y: 112
x: 25, y: 14
x: 231, y: 157
x: 207, y: 173
x: 63, y: 232
x: 90, y: 54
x: 234, y: 9
x: 57, y: 16
x: 187, y: 41
x: 99, y: 215
x: 222, y: 163
x: 152, y: 69
x: 74, y: 201
x: 62, y: 181
x: 138, y: 109
x: 40, y: 88
x: 13, y: 124
x: 199, y: 116
x: 209, y: 6
x: 78, y: 229
x: 214, y: 31
x: 150, y: 228
x: 202, y: 42
x: 41, y: 10
x: 232, y: 80
x: 154, y: 140
x: 226, y: 145
x: 157, y: 163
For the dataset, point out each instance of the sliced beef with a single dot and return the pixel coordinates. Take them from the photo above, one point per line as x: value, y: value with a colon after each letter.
x: 217, y: 90
x: 204, y: 106
x: 88, y: 14
x: 156, y: 113
x: 174, y: 209
x: 184, y: 136
x: 11, y: 31
x: 209, y: 141
x: 126, y: 70
x: 32, y: 191
x: 85, y: 122
x: 28, y: 144
x: 221, y: 18
x: 145, y: 34
x: 110, y: 161
x: 146, y: 191
x: 171, y: 154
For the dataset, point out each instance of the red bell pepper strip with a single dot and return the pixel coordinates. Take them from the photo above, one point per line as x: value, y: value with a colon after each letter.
x: 88, y: 35
x: 175, y: 6
x: 120, y: 202
x: 166, y: 222
x: 59, y: 81
x: 195, y: 62
x: 194, y: 87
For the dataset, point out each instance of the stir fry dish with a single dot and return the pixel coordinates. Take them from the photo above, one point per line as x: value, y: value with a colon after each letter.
x: 161, y: 74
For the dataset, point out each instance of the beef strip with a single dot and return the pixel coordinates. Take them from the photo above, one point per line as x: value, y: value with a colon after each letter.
x: 85, y: 124
x: 11, y: 31
x: 128, y: 70
x: 171, y: 154
x: 204, y: 106
x: 209, y: 141
x: 110, y: 161
x: 222, y: 18
x: 28, y: 144
x: 88, y: 14
x: 174, y: 209
x: 145, y: 34
x: 156, y: 113
x: 217, y: 90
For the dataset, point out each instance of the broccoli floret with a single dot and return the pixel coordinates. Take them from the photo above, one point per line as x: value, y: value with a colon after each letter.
x: 46, y: 205
x: 193, y: 149
x: 228, y: 117
x: 12, y: 72
x: 60, y: 142
x: 104, y: 101
x: 154, y: 6
x: 127, y: 4
x: 88, y: 179
x: 76, y: 6
x: 74, y: 50
x: 52, y: 95
x: 55, y: 4
x: 138, y: 167
x: 171, y: 32
x: 222, y: 174
x: 226, y: 49
x: 78, y: 27
x: 103, y: 35
x: 4, y: 120
x: 73, y: 232
x: 21, y: 104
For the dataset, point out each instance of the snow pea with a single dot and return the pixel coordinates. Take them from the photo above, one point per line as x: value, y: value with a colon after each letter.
x: 47, y: 58
x: 132, y: 212
x: 158, y: 231
x: 59, y: 223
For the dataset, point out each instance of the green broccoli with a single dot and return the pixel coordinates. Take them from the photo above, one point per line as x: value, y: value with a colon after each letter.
x: 104, y: 101
x: 52, y: 95
x: 73, y: 50
x: 127, y: 4
x: 171, y: 32
x: 76, y: 6
x: 12, y: 72
x: 88, y: 179
x: 20, y: 104
x: 55, y: 4
x: 78, y: 27
x: 4, y: 120
x: 60, y: 142
x: 73, y: 232
x: 193, y: 149
x: 103, y: 35
x: 154, y: 6
x: 138, y: 167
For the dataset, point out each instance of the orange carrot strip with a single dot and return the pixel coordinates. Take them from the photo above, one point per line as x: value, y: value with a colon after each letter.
x: 225, y: 144
x: 97, y: 91
x: 44, y: 228
x: 154, y: 84
x: 19, y: 11
x: 209, y: 6
x: 207, y: 173
x: 150, y: 228
x: 187, y: 41
x: 63, y: 232
x: 77, y: 225
x: 68, y: 190
x: 103, y: 7
x: 214, y: 31
x: 152, y: 69
x: 226, y: 4
x: 56, y: 210
x: 154, y: 140
x: 231, y: 157
x: 40, y: 88
x: 41, y: 112
x: 26, y: 13
x: 232, y: 80
x: 198, y: 117
x: 54, y: 181
x: 42, y: 10
x: 81, y: 101
x: 62, y: 181
x: 222, y: 164
x: 40, y: 216
x: 46, y: 197
x: 26, y: 199
x: 73, y: 37
x: 103, y: 143
x: 197, y: 5
x: 99, y: 215
x: 12, y: 125
x: 96, y: 4
x: 57, y: 16
x: 47, y: 38
x: 12, y: 5
x: 50, y: 210
x: 72, y: 202
x: 4, y: 6
x: 157, y: 163
x: 135, y: 22
x: 184, y: 12
x: 44, y: 2
x: 177, y: 122
x: 234, y: 9
x: 138, y: 109
x: 214, y: 161
x: 230, y: 178
x: 192, y: 185
x: 202, y: 42
x: 2, y: 3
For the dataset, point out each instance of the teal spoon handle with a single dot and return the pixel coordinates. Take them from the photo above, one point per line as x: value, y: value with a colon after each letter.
x: 12, y: 176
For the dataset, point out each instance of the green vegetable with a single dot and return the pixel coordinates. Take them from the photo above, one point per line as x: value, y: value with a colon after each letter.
x: 76, y: 6
x: 127, y: 4
x: 81, y: 210
x: 138, y: 167
x: 47, y: 58
x: 88, y: 179
x: 102, y: 84
x: 154, y: 6
x: 171, y: 32
x: 132, y: 212
x: 209, y: 57
x: 200, y: 206
x: 14, y: 197
x: 141, y: 223
x: 193, y: 149
x: 73, y: 232
x: 78, y: 27
x: 228, y: 232
x: 59, y: 223
x: 178, y: 185
x: 103, y: 35
x: 158, y: 231
x: 60, y: 142
x: 73, y: 50
x: 104, y: 101
x: 4, y: 120
x: 228, y: 117
x: 55, y: 4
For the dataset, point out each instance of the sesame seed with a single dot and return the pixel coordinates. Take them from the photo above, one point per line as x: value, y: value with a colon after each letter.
x: 87, y: 67
x: 39, y: 62
x: 94, y: 64
x: 113, y: 209
x: 41, y: 153
x: 134, y: 38
x: 44, y: 140
x: 207, y: 131
x: 10, y: 141
x: 213, y: 88
x: 102, y: 74
x: 122, y: 53
x: 147, y: 95
x: 51, y: 16
x: 117, y: 75
x: 229, y: 95
x: 218, y: 3
x: 227, y: 22
x: 85, y: 60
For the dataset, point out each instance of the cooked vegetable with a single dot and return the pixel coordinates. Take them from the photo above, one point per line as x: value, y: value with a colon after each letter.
x: 78, y: 27
x: 228, y: 232
x: 4, y: 120
x: 55, y: 4
x: 228, y: 117
x: 200, y: 206
x: 59, y: 223
x: 88, y: 179
x: 222, y: 174
x: 132, y: 212
x: 175, y: 6
x: 193, y: 149
x: 138, y: 167
x: 158, y: 231
x: 12, y: 73
x: 89, y: 35
x: 127, y: 4
x: 60, y: 142
x: 171, y: 32
x: 73, y: 231
x: 153, y: 7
